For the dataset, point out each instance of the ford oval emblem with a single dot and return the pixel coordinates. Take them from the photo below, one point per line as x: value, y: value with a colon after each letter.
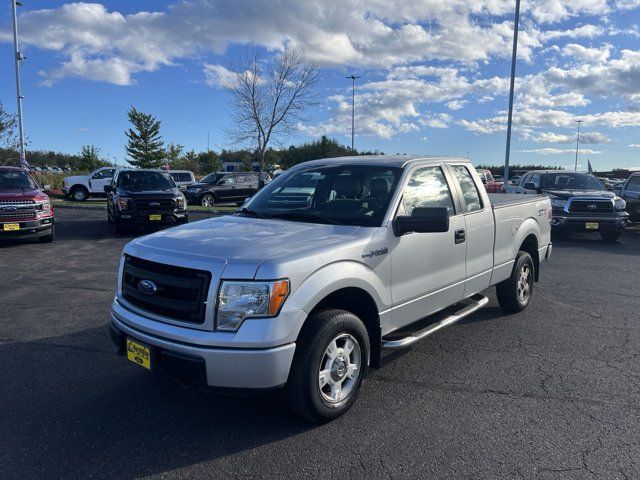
x: 147, y: 287
x: 592, y: 206
x: 154, y: 204
x: 9, y: 209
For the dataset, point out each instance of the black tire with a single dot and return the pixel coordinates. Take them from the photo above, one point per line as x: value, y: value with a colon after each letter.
x: 510, y: 292
x: 118, y: 228
x: 207, y: 200
x: 610, y: 236
x: 79, y: 194
x: 304, y: 394
x: 49, y: 237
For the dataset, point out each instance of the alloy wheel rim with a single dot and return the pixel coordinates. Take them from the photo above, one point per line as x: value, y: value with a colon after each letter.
x: 206, y: 201
x: 523, y: 287
x: 340, y: 368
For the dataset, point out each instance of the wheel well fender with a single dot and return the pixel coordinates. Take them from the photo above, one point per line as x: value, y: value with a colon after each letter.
x: 530, y: 245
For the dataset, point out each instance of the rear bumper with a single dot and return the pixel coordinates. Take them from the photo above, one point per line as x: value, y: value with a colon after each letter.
x: 28, y: 228
x: 234, y: 368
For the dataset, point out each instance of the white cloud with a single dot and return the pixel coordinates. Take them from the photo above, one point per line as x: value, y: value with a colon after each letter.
x: 218, y: 75
x: 456, y: 104
x: 635, y: 145
x: 586, y: 54
x: 586, y: 138
x: 560, y: 151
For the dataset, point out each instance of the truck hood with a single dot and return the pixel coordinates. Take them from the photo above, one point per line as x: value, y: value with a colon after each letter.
x: 581, y: 193
x: 243, y: 243
x: 18, y: 193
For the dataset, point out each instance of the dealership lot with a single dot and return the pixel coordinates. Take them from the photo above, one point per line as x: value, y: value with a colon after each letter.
x: 553, y: 392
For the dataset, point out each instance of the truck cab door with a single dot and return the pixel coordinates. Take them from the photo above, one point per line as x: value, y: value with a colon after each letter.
x: 427, y: 269
x: 480, y: 228
x: 631, y: 194
x: 99, y: 179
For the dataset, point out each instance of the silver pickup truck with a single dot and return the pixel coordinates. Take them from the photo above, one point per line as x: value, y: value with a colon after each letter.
x: 329, y: 264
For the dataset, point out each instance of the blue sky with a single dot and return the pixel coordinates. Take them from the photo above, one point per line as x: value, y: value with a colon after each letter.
x: 435, y: 73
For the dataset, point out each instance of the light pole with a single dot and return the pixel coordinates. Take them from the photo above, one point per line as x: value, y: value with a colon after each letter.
x: 18, y: 58
x: 511, y: 88
x: 353, y: 107
x: 579, y: 122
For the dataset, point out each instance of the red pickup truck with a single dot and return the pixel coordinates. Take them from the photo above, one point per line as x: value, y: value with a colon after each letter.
x: 25, y: 210
x: 489, y: 183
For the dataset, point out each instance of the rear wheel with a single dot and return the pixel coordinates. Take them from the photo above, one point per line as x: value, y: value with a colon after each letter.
x: 207, y: 200
x: 79, y: 194
x: 610, y: 236
x: 331, y: 361
x: 514, y: 294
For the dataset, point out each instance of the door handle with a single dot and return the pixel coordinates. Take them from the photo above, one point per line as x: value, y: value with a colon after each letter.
x: 460, y: 235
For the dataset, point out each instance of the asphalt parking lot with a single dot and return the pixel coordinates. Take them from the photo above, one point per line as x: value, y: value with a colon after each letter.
x: 553, y: 392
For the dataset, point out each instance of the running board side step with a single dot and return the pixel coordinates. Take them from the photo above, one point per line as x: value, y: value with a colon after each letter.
x: 478, y: 301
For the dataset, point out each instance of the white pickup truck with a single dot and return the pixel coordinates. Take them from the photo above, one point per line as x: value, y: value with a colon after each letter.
x: 321, y: 270
x: 81, y: 187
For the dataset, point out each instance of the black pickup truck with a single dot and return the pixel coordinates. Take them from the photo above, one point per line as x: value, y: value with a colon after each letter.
x: 630, y: 193
x: 580, y: 202
x: 144, y: 198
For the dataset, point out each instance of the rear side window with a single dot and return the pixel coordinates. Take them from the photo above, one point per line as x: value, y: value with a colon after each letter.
x: 634, y: 184
x: 428, y: 188
x: 470, y: 192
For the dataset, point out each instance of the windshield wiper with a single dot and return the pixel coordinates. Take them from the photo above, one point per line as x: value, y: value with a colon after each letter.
x: 253, y: 213
x: 311, y: 217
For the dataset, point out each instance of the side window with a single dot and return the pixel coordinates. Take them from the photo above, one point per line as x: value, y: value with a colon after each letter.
x: 634, y: 184
x: 525, y: 179
x: 535, y: 179
x: 107, y: 173
x: 470, y: 193
x: 427, y: 187
x: 228, y: 180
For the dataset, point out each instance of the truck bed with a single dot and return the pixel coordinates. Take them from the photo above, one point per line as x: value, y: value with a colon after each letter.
x: 501, y: 200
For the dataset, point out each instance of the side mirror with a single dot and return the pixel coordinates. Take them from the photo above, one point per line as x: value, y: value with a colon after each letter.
x: 46, y: 188
x: 422, y: 220
x: 532, y: 186
x: 108, y: 188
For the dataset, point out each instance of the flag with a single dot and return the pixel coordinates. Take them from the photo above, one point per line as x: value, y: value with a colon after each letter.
x: 23, y: 162
x: 589, y: 166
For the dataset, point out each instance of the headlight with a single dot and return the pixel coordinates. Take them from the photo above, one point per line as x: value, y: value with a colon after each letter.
x: 558, y: 202
x: 240, y: 300
x: 620, y: 204
x: 123, y: 203
x: 181, y: 202
x: 46, y: 207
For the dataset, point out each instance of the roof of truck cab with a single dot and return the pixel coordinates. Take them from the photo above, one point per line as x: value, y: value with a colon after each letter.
x: 385, y: 160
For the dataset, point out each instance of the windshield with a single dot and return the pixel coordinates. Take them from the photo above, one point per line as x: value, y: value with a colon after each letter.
x: 337, y: 195
x: 145, y: 180
x: 570, y: 181
x: 16, y: 179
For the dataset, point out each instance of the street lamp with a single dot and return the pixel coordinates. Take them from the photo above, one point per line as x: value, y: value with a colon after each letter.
x: 18, y: 57
x: 579, y: 122
x: 353, y: 107
x: 511, y: 88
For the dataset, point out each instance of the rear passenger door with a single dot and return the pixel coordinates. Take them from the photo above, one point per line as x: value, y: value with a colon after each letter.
x: 479, y: 229
x: 427, y: 269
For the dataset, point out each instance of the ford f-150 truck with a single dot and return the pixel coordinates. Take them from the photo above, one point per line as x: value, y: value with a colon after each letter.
x: 25, y: 210
x: 303, y: 287
x: 81, y: 187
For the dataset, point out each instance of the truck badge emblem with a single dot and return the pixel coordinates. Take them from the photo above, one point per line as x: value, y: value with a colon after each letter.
x: 9, y: 209
x: 147, y: 287
x: 375, y: 253
x: 154, y: 204
x: 592, y: 206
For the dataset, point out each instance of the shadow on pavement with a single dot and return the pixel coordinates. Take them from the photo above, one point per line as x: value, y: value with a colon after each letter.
x: 77, y: 409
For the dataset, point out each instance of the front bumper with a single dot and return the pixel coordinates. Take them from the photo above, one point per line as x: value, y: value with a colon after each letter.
x: 235, y: 368
x: 143, y: 218
x: 578, y: 222
x: 28, y: 228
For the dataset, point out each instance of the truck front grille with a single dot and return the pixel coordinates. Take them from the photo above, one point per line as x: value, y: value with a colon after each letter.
x: 8, y: 216
x: 181, y: 293
x: 146, y: 205
x: 591, y: 206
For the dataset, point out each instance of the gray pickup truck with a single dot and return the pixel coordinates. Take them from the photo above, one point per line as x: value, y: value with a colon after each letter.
x: 321, y: 270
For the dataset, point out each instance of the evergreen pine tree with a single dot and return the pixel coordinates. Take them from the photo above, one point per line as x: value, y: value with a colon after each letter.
x: 145, y: 146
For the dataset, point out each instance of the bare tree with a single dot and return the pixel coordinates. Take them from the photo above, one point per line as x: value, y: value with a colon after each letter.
x: 269, y: 96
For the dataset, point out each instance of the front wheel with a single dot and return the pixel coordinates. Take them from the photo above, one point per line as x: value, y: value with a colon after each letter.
x: 79, y: 194
x: 610, y: 236
x: 207, y: 200
x: 514, y: 294
x: 331, y: 361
